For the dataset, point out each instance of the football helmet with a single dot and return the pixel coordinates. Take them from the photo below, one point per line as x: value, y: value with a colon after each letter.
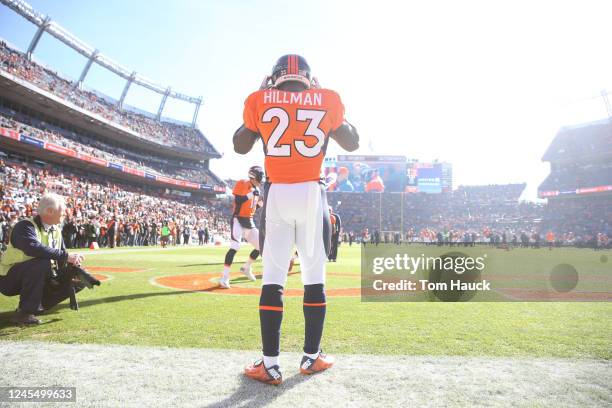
x: 257, y: 173
x: 291, y: 67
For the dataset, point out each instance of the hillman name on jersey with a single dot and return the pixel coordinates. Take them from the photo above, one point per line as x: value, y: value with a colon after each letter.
x: 299, y: 98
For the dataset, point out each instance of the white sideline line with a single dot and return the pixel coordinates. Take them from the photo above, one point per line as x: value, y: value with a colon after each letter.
x: 90, y: 252
x: 134, y: 376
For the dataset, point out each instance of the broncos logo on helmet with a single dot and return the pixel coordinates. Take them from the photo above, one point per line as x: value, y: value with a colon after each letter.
x: 291, y: 67
x: 257, y: 173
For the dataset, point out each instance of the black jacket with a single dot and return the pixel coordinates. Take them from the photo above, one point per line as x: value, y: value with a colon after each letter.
x: 23, y: 237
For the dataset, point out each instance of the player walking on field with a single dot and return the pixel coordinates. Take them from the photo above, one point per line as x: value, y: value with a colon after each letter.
x: 294, y: 118
x: 247, y: 199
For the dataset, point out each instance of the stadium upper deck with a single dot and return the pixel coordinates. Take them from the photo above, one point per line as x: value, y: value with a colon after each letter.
x: 33, y: 85
x: 111, y: 137
x: 580, y: 160
x: 66, y: 146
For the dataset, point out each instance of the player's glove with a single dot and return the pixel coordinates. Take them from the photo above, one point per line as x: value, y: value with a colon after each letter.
x: 265, y: 84
x: 256, y: 193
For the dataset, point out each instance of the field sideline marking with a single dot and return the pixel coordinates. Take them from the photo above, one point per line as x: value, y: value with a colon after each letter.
x: 89, y: 252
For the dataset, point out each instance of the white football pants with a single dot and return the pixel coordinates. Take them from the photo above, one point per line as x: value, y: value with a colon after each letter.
x: 251, y: 235
x: 294, y: 216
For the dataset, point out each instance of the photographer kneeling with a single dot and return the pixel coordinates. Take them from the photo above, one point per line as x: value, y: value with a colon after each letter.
x: 35, y: 255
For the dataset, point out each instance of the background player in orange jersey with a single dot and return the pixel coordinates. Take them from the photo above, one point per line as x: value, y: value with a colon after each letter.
x: 550, y: 240
x: 295, y: 119
x: 336, y: 229
x: 247, y: 199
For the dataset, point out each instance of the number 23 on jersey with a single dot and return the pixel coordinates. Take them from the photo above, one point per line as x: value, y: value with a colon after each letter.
x: 294, y: 127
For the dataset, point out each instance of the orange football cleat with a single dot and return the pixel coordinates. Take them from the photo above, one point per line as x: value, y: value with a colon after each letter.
x: 322, y: 363
x: 257, y: 371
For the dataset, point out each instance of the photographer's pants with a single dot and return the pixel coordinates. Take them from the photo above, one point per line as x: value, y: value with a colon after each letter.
x: 30, y: 280
x: 27, y: 279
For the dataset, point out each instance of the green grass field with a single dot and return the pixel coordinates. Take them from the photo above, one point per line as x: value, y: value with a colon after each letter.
x: 128, y: 309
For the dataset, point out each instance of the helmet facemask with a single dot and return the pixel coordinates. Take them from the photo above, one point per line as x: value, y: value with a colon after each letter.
x: 282, y: 77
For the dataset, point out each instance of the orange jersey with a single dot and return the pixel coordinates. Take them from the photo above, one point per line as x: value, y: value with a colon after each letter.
x: 244, y: 208
x: 294, y: 127
x: 376, y: 184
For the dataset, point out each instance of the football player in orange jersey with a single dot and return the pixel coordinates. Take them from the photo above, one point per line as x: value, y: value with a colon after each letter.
x: 295, y: 119
x: 247, y: 199
x: 373, y: 182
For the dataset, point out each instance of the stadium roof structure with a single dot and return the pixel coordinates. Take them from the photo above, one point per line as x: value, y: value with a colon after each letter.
x: 592, y: 139
x: 45, y: 24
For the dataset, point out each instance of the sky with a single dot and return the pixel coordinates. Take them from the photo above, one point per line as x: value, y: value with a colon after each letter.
x: 484, y: 85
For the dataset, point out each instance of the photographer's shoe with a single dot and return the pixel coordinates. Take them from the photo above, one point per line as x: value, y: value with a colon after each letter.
x: 24, y: 318
x: 41, y: 310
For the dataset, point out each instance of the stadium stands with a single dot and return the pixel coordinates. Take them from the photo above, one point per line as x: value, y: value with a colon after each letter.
x: 120, y: 170
x: 84, y: 144
x: 571, y: 177
x: 580, y: 160
x: 579, y: 186
x: 468, y: 209
x: 163, y: 133
x: 575, y: 143
x: 95, y: 203
x: 581, y: 216
x: 101, y: 137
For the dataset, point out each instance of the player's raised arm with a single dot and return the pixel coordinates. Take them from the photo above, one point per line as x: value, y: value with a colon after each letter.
x: 346, y: 136
x: 244, y: 139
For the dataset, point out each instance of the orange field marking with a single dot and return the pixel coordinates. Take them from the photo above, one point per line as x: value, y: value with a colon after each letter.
x: 100, y: 277
x: 207, y: 282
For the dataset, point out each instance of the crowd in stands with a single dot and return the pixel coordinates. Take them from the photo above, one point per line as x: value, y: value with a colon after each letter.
x: 114, y: 214
x: 465, y: 208
x: 582, y: 216
x: 108, y: 213
x: 165, y: 133
x: 492, y: 194
x: 476, y: 214
x: 41, y: 130
x: 573, y: 176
